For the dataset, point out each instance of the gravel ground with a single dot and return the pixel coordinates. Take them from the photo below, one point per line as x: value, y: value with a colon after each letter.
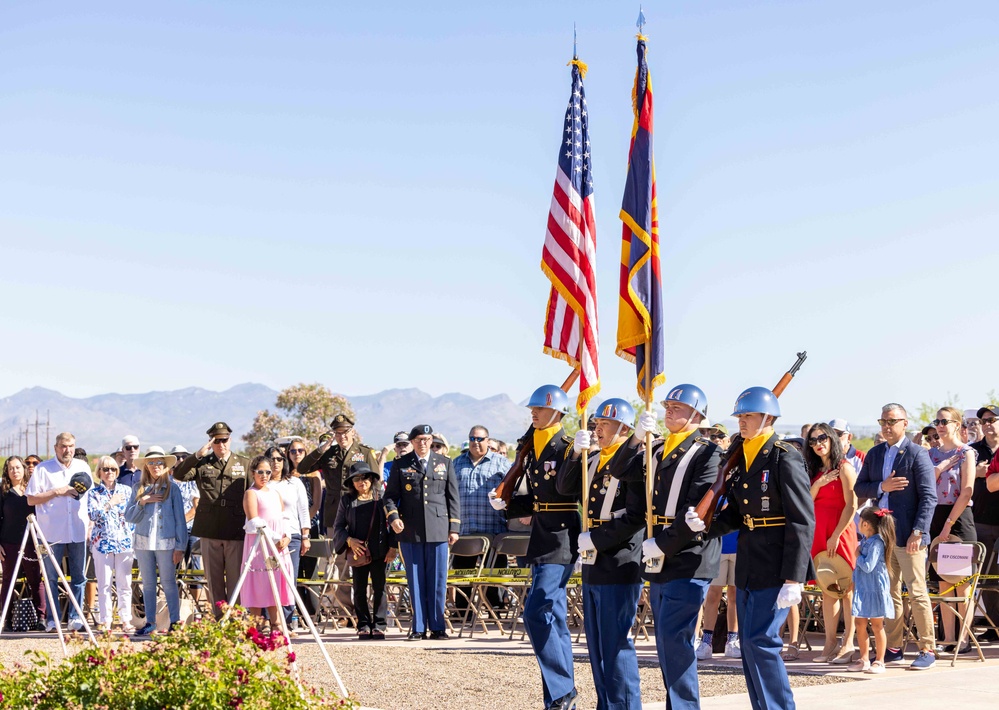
x: 390, y: 676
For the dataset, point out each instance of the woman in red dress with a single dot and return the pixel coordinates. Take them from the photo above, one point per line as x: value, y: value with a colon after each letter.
x: 835, y: 532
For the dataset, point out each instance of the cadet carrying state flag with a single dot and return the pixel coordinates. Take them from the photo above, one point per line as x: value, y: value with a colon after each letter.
x: 570, y: 251
x: 640, y: 309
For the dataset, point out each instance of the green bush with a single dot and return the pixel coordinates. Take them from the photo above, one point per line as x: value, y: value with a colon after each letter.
x: 204, y: 665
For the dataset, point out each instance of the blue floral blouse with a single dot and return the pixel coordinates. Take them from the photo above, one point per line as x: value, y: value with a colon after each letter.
x: 110, y: 532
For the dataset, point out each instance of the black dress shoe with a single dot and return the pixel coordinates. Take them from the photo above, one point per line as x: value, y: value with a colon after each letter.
x: 439, y: 636
x: 988, y: 636
x: 566, y: 702
x: 416, y: 635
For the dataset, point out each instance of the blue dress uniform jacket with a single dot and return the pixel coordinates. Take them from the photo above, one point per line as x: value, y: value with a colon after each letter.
x: 427, y: 501
x: 554, y: 534
x: 775, y: 489
x: 618, y: 540
x: 688, y: 554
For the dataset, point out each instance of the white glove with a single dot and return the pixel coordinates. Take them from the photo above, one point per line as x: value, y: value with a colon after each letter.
x: 693, y: 520
x: 646, y: 423
x: 496, y: 502
x: 790, y: 594
x: 582, y: 442
x: 651, y: 550
x: 252, y: 524
x: 585, y: 543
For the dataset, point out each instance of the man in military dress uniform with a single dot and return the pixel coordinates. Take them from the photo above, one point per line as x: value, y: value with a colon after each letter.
x: 423, y: 508
x: 333, y: 458
x: 612, y: 575
x: 555, y: 527
x: 221, y: 478
x: 770, y: 504
x: 680, y: 564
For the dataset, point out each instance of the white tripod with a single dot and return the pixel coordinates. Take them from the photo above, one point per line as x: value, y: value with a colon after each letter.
x: 43, y: 550
x: 270, y: 553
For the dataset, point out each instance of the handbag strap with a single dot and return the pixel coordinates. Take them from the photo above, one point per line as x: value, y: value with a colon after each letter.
x: 374, y: 514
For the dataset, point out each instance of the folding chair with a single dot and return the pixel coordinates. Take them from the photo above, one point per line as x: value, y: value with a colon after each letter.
x: 512, y: 581
x: 643, y: 616
x: 321, y: 587
x: 459, y: 580
x: 988, y: 585
x: 947, y: 598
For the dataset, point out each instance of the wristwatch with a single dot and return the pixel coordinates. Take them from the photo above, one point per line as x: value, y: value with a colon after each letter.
x: 917, y: 532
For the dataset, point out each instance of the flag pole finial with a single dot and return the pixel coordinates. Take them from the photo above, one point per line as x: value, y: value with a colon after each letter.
x: 575, y: 55
x: 640, y: 23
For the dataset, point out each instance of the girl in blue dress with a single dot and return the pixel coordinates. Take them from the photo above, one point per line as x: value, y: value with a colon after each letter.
x: 871, y: 595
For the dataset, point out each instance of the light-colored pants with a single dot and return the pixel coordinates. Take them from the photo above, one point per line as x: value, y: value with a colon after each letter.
x: 912, y: 569
x: 115, y: 566
x: 223, y: 560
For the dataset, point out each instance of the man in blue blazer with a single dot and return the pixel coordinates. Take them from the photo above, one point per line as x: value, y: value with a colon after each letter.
x: 898, y: 475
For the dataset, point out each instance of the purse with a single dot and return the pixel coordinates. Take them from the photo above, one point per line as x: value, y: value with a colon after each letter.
x: 24, y: 616
x: 363, y: 558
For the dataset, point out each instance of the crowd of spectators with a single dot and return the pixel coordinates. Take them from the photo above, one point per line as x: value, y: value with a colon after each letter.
x: 940, y: 483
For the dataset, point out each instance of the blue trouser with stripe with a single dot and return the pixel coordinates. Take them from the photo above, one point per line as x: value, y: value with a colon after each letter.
x: 608, y: 614
x: 760, y: 622
x: 426, y: 573
x: 545, y: 620
x: 675, y: 607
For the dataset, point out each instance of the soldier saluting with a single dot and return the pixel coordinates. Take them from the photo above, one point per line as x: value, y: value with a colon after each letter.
x: 333, y: 459
x: 221, y: 478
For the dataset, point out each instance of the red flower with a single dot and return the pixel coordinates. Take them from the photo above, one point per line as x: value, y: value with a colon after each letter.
x: 291, y: 657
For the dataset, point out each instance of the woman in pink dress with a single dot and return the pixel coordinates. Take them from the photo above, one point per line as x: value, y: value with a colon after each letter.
x: 264, y: 508
x: 835, y: 531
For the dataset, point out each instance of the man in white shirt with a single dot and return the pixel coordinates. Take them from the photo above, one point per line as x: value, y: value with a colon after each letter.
x: 58, y: 512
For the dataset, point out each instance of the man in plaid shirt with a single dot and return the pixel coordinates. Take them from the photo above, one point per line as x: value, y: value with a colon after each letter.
x: 479, y: 471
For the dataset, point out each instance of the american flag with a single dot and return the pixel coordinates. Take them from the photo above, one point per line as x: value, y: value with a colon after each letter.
x: 569, y: 256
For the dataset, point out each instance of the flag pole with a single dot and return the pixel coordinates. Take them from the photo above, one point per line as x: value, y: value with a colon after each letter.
x: 584, y: 422
x: 650, y: 513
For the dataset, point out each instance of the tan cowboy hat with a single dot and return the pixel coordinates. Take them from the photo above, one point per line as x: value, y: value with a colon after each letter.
x: 833, y: 574
x: 949, y: 578
x: 156, y: 453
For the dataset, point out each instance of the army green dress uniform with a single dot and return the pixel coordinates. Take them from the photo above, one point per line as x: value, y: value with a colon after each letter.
x: 333, y: 464
x: 220, y: 518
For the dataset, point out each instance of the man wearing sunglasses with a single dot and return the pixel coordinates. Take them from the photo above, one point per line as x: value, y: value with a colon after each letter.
x: 899, y: 476
x: 127, y: 471
x: 218, y: 521
x: 986, y: 508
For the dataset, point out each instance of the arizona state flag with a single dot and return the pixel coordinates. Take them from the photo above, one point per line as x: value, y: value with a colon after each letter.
x: 640, y: 318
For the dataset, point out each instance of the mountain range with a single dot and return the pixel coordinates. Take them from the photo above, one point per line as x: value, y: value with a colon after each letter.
x: 182, y: 416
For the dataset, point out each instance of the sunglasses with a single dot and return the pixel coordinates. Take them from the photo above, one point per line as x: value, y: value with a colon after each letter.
x: 477, y: 439
x: 716, y: 437
x: 221, y: 441
x: 296, y: 451
x: 131, y: 447
x: 436, y: 447
x: 990, y: 420
x: 157, y: 462
x: 262, y: 472
x: 401, y: 444
x: 889, y: 422
x: 944, y: 422
x: 109, y: 469
x: 820, y: 439
x: 276, y: 458
x: 933, y: 436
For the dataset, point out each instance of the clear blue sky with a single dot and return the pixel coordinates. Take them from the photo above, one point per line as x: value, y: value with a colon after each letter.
x: 212, y: 193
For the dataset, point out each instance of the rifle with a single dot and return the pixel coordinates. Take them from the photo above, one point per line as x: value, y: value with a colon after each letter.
x: 512, y: 478
x: 706, y: 508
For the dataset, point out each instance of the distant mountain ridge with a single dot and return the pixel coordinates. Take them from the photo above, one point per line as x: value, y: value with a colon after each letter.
x: 182, y: 416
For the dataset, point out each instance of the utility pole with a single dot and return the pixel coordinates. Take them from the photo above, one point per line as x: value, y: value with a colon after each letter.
x: 48, y: 423
x: 36, y: 432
